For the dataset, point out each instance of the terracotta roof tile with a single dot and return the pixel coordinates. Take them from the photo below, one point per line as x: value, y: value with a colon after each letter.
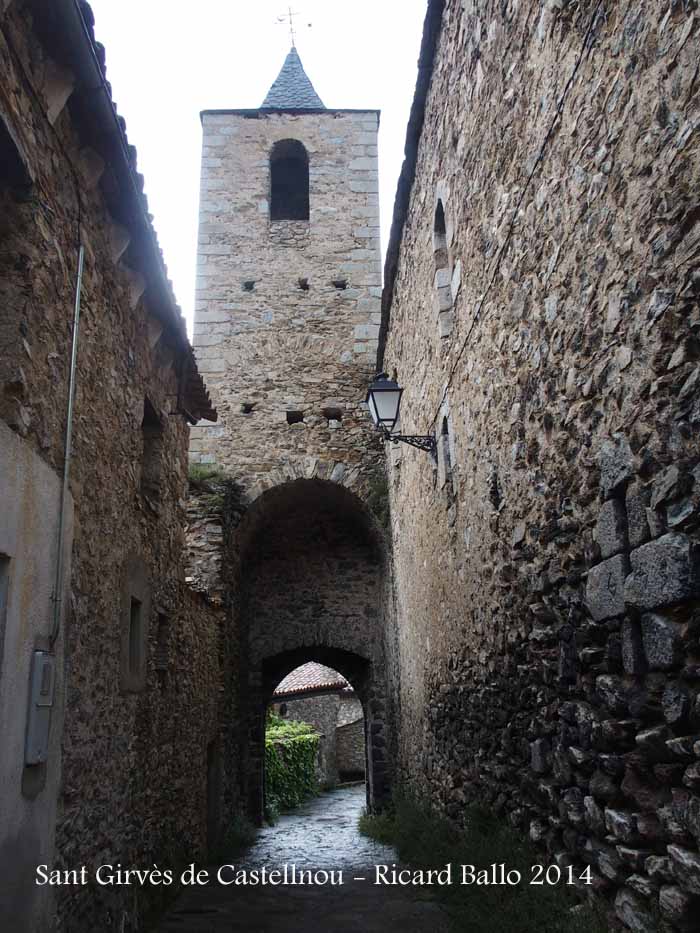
x: 310, y: 678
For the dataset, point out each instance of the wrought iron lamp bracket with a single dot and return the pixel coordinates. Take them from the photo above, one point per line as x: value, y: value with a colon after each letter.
x: 425, y: 442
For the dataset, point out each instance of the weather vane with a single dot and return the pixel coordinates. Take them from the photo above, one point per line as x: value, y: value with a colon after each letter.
x: 288, y: 19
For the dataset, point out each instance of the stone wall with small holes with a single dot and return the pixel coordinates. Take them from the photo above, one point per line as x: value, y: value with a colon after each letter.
x: 287, y: 312
x: 547, y: 570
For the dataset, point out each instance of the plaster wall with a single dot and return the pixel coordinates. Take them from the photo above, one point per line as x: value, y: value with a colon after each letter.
x: 31, y: 493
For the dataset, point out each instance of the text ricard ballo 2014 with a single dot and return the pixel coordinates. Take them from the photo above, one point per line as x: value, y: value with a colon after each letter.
x: 390, y: 875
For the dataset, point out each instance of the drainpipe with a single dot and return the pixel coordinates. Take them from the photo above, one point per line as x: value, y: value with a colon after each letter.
x: 42, y: 677
x: 58, y: 584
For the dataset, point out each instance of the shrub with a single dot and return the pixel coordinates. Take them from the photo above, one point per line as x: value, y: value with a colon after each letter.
x: 426, y: 840
x: 290, y: 764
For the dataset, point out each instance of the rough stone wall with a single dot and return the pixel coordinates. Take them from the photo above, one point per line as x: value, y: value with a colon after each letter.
x: 350, y: 749
x: 134, y: 763
x: 282, y: 347
x: 547, y: 570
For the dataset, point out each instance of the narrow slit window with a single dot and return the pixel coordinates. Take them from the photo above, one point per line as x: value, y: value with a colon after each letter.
x: 445, y: 457
x: 152, y: 460
x: 4, y: 600
x: 135, y: 637
x: 443, y: 270
x: 304, y: 285
x: 289, y: 181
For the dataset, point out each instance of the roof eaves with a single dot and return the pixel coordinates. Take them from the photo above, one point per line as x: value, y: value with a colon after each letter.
x: 69, y: 25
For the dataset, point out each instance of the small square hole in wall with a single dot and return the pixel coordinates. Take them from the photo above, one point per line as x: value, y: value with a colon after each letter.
x: 304, y: 285
x: 247, y: 408
x: 249, y: 285
x: 332, y: 414
x: 340, y: 284
x: 295, y: 417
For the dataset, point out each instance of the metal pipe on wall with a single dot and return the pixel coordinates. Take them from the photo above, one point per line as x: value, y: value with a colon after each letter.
x: 58, y: 585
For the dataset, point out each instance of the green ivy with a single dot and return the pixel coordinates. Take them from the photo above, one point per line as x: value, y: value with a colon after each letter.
x: 291, y: 749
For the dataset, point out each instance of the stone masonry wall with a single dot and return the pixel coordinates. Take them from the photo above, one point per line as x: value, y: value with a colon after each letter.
x: 295, y: 341
x: 547, y: 570
x: 134, y: 755
x: 350, y: 743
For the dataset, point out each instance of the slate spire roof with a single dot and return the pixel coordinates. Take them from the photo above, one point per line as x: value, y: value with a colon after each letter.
x: 291, y: 89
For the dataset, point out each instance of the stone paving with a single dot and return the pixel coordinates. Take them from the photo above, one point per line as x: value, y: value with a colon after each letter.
x: 320, y: 836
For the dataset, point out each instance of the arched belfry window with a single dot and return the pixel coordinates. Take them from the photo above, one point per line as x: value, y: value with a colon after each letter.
x: 289, y: 181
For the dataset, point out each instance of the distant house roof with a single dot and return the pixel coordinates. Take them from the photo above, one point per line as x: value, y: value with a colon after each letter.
x: 291, y: 89
x: 311, y: 678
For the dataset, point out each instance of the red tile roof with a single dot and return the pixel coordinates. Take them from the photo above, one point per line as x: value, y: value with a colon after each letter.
x: 311, y: 678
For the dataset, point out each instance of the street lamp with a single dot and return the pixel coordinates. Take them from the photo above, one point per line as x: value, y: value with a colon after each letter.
x: 384, y: 400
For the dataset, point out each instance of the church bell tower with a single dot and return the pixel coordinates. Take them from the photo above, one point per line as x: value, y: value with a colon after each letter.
x: 288, y: 286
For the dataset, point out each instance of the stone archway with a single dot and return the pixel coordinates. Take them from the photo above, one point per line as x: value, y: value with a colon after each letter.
x: 311, y: 569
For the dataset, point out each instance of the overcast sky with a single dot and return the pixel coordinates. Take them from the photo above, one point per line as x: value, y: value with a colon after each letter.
x: 169, y: 59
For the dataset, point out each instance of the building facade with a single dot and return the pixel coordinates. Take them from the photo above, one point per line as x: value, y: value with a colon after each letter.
x: 288, y: 294
x: 541, y: 312
x: 286, y: 326
x: 113, y: 652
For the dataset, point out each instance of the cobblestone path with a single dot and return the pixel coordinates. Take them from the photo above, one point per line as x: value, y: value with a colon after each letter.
x: 320, y: 836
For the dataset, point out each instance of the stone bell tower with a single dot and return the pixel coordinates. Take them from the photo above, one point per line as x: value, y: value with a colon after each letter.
x: 288, y: 286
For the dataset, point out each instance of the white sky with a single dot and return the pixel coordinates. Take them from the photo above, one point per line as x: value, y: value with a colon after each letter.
x: 169, y: 59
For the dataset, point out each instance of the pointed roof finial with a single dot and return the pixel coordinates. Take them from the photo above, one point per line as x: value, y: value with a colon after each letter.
x: 291, y: 89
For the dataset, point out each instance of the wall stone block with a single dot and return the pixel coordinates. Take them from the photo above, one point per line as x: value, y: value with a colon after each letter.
x: 605, y: 588
x: 611, y: 528
x: 664, y: 572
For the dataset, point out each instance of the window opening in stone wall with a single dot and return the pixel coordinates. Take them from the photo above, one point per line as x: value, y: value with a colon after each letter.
x: 443, y: 271
x: 249, y: 285
x: 162, y: 647
x: 340, y: 284
x: 445, y: 454
x: 304, y: 285
x: 4, y: 599
x: 247, y: 408
x: 332, y: 414
x: 443, y: 285
x: 289, y: 181
x: 13, y: 171
x: 295, y: 417
x: 135, y: 638
x: 152, y: 460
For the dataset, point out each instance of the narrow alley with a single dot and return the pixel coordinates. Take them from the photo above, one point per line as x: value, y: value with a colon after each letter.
x: 322, y: 834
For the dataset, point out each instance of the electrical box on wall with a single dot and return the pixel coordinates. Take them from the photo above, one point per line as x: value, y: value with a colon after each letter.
x: 41, y: 690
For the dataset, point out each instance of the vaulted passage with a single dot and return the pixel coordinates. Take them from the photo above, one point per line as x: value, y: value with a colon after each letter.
x: 311, y: 570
